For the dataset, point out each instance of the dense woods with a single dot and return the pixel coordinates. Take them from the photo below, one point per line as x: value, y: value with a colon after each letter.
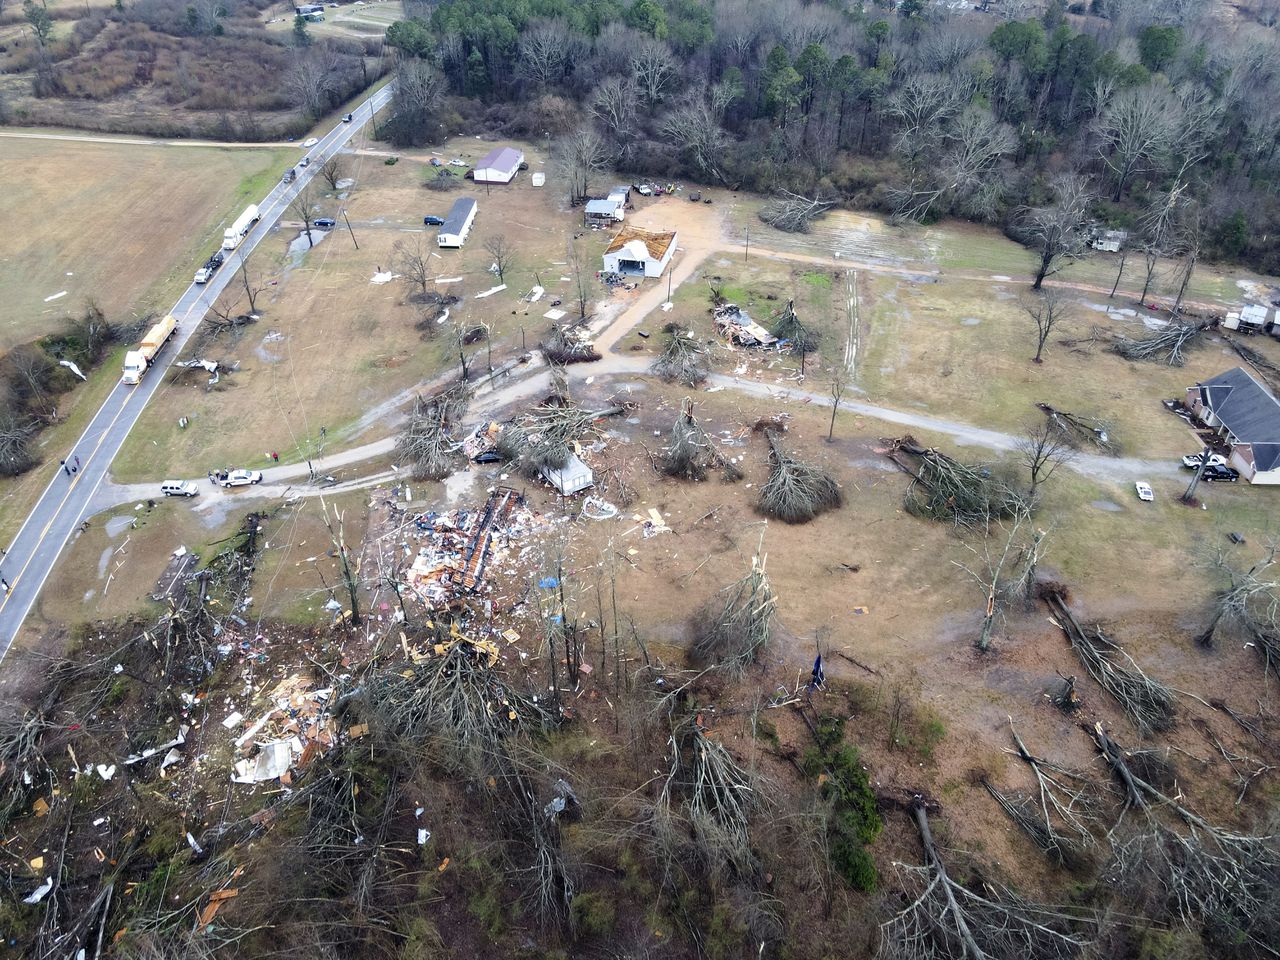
x: 1164, y: 114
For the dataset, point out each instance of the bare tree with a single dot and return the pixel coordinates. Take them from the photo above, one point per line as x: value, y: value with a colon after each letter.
x: 253, y: 286
x: 332, y: 170
x: 544, y: 52
x: 413, y: 262
x: 306, y: 208
x: 613, y: 106
x: 837, y: 394
x: 312, y: 77
x: 991, y: 579
x: 581, y: 155
x: 694, y: 129
x: 1056, y: 233
x: 1046, y: 309
x: 580, y: 278
x: 1133, y: 130
x: 16, y: 432
x: 1043, y: 449
x: 654, y: 69
x: 921, y: 108
x: 420, y: 89
x: 965, y: 175
x: 500, y: 248
x: 337, y: 538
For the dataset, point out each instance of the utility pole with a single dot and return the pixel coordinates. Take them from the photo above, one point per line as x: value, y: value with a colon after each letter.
x: 349, y: 230
x: 746, y: 250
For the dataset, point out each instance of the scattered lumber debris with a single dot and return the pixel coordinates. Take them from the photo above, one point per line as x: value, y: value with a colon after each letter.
x: 738, y: 328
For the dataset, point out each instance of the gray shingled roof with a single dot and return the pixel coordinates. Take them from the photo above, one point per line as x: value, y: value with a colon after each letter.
x: 457, y: 218
x: 1247, y: 408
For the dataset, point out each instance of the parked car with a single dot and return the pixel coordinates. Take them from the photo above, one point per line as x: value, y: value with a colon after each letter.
x: 1220, y: 474
x: 346, y: 118
x: 237, y: 478
x: 1145, y: 493
x: 179, y: 488
x: 643, y: 189
x: 1192, y: 461
x: 310, y: 142
x: 695, y: 197
x: 306, y: 162
x: 290, y: 175
x: 433, y: 221
x: 324, y: 223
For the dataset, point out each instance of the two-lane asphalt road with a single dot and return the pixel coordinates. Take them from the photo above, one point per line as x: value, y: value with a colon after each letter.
x: 61, y: 508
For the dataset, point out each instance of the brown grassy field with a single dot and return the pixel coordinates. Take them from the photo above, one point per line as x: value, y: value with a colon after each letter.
x: 332, y: 346
x: 124, y: 225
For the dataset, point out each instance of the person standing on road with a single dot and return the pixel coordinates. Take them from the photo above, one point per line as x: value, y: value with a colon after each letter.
x: 5, y: 583
x: 77, y: 461
x: 65, y: 468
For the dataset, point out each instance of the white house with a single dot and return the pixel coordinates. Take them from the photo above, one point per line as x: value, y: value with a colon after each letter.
x: 572, y: 478
x: 639, y: 253
x: 1247, y: 415
x: 498, y: 166
x: 453, y: 233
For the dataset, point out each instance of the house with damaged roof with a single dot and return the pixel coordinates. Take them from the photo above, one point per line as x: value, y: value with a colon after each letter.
x: 639, y: 253
x: 1247, y: 415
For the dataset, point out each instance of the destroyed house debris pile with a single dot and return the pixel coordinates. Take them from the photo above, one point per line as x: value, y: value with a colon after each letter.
x: 738, y: 328
x: 458, y: 549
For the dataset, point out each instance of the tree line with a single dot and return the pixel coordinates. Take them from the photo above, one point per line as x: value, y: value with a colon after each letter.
x: 1164, y: 115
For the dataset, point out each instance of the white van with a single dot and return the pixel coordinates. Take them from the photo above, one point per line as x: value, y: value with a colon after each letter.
x: 179, y: 488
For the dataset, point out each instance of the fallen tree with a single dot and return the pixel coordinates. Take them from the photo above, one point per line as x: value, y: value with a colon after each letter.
x: 1247, y: 607
x: 1079, y: 431
x: 683, y: 359
x: 733, y: 632
x: 1149, y: 703
x: 1207, y: 878
x: 1167, y: 345
x: 427, y: 443
x: 793, y: 212
x: 543, y: 438
x: 691, y: 452
x: 1059, y: 816
x: 562, y: 346
x: 796, y: 492
x: 947, y: 920
x: 945, y: 489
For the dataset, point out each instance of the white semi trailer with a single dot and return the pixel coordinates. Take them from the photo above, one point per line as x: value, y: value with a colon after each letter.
x: 240, y: 229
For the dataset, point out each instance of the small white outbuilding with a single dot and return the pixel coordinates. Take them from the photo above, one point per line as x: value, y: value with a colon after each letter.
x: 574, y: 477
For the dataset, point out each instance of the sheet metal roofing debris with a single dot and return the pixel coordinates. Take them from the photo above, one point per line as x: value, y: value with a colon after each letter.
x: 150, y: 752
x: 40, y: 892
x: 736, y: 327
